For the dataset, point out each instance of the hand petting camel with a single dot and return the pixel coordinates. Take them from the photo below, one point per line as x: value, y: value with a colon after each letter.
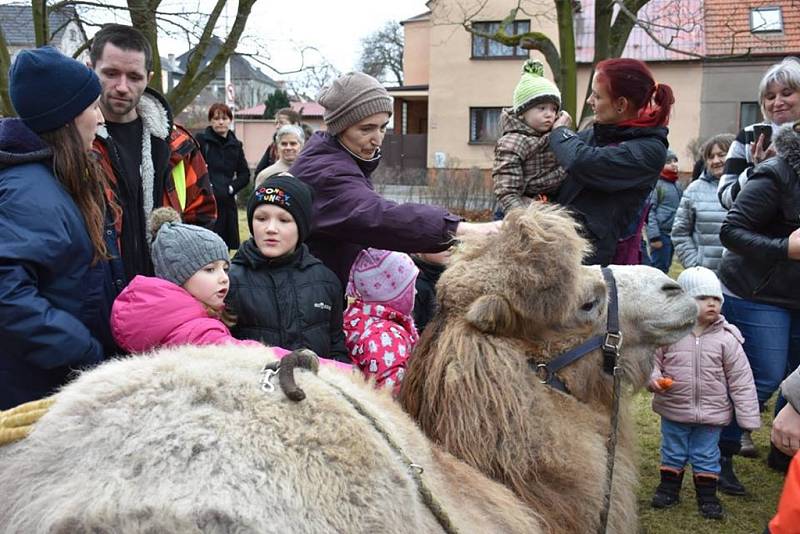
x: 187, y: 440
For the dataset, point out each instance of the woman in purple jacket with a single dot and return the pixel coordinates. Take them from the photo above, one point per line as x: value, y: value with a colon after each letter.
x: 349, y: 215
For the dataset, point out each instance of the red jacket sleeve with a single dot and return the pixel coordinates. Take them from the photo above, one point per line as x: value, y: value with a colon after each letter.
x: 199, y: 208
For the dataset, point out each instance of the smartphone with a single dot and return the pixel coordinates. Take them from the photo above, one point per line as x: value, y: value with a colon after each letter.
x: 766, y: 131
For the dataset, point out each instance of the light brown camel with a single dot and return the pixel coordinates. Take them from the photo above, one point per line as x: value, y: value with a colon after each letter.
x: 185, y: 440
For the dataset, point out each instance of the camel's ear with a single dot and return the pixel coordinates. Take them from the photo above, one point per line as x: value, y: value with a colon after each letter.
x: 492, y: 314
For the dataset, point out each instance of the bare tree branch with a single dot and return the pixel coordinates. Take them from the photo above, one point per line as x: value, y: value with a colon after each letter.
x: 382, y: 51
x: 666, y: 44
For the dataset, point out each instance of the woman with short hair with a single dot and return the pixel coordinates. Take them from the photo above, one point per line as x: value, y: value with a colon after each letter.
x: 290, y: 140
x: 227, y: 169
x: 760, y: 273
x: 779, y: 98
x: 283, y: 117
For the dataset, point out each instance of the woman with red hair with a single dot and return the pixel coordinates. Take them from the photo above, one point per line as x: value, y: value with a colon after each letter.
x: 613, y: 166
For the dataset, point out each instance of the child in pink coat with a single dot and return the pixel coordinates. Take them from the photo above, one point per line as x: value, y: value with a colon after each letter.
x: 699, y: 383
x: 184, y: 303
x: 378, y: 325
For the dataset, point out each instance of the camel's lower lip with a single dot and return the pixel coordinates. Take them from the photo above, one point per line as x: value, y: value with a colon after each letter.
x: 667, y: 327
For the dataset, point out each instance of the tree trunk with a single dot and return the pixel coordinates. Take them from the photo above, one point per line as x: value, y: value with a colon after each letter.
x: 610, y: 40
x: 196, y: 78
x: 41, y: 31
x: 603, y: 12
x: 143, y: 18
x: 569, y: 67
x: 6, y: 108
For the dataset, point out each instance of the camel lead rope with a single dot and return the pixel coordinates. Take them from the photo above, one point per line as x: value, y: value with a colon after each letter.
x: 611, y: 447
x: 428, y: 499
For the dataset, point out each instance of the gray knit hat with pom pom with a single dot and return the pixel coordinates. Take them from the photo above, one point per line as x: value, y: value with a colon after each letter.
x: 180, y: 250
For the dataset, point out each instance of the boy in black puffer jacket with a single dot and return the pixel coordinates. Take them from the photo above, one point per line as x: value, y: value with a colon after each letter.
x: 280, y: 294
x: 431, y: 265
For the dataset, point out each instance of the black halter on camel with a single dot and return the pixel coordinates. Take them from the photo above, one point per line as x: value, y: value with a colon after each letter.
x: 610, y: 343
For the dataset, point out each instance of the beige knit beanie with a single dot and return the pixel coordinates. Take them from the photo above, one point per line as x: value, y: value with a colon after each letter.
x: 351, y: 98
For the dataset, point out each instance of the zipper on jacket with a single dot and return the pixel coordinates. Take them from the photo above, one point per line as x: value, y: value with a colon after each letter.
x: 697, y: 378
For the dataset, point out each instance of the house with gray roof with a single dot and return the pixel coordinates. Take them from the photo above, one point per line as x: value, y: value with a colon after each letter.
x: 66, y: 32
x: 251, y: 86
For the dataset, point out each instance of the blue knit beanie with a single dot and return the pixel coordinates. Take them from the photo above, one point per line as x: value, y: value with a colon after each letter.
x: 49, y: 89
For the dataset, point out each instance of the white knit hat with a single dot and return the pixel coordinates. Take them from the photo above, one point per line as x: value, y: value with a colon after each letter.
x: 701, y: 282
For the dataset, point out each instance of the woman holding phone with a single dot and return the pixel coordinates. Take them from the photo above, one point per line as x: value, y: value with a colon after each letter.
x: 779, y: 97
x: 760, y: 273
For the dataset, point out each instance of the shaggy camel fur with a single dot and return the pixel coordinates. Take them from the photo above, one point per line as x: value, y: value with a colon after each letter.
x: 185, y: 440
x: 505, y: 306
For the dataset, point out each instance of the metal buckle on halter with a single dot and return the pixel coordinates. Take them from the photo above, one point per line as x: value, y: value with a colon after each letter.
x: 266, y: 376
x: 542, y: 373
x: 612, y: 342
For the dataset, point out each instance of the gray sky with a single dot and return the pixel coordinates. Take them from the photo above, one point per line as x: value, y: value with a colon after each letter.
x: 334, y: 27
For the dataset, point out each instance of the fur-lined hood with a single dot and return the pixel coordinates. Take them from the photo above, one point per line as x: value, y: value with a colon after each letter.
x: 155, y: 113
x: 787, y: 144
x: 156, y: 122
x: 787, y: 140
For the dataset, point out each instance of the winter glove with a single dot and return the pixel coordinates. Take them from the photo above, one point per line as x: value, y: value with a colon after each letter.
x: 16, y: 423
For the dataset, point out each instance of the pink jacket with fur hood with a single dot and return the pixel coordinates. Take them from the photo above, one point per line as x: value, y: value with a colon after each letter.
x: 708, y: 372
x: 152, y: 313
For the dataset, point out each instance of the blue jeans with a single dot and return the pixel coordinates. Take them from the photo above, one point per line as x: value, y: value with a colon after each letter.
x: 683, y: 443
x: 662, y: 258
x: 771, y: 342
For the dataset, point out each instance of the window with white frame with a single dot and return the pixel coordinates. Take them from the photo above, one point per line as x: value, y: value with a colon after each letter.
x: 484, y: 125
x: 483, y: 47
x: 766, y: 19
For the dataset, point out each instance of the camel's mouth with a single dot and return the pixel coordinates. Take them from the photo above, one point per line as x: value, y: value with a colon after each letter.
x: 663, y: 331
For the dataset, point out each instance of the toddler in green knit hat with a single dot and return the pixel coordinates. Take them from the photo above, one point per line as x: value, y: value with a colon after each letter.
x: 525, y: 169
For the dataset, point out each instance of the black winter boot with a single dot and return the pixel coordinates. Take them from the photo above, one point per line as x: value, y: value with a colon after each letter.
x: 728, y: 483
x: 707, y: 501
x: 778, y: 461
x: 668, y: 491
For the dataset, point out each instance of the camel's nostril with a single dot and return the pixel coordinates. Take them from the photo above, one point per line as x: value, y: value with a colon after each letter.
x: 672, y: 289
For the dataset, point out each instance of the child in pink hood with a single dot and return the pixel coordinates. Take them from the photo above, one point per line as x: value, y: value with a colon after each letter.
x: 378, y: 325
x: 699, y: 383
x: 184, y: 304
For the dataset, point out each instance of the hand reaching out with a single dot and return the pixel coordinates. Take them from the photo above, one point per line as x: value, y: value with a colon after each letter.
x: 794, y: 245
x: 563, y: 119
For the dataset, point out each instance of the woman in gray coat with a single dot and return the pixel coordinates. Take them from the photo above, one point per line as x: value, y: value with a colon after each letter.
x: 695, y: 232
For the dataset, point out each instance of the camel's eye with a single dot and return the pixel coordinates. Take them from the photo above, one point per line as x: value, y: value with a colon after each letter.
x: 589, y: 306
x: 672, y: 289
